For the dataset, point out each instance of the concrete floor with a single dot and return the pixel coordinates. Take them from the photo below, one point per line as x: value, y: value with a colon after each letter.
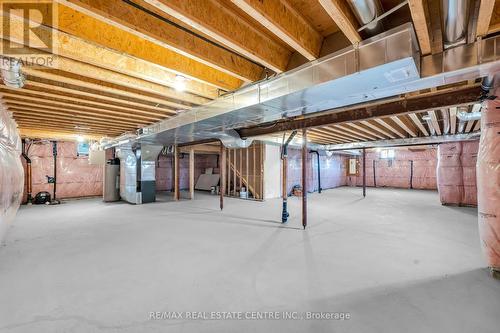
x: 396, y: 261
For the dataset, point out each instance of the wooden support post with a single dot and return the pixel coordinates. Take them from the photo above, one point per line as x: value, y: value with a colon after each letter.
x: 304, y: 177
x: 176, y: 173
x: 191, y: 173
x: 364, y: 172
x: 222, y: 185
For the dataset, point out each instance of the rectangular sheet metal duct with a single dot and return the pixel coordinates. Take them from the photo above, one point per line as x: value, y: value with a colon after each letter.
x: 383, y: 66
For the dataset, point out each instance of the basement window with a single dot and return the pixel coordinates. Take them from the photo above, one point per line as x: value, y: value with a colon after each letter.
x: 387, y: 153
x: 82, y: 149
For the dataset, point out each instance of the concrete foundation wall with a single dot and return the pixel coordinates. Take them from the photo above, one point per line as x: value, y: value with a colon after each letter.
x: 75, y: 176
x: 272, y: 172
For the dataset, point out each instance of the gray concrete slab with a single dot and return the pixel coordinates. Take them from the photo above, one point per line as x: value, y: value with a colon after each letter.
x: 396, y: 261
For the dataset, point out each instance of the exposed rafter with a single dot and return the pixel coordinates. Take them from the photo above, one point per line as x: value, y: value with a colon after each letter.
x: 286, y: 23
x: 152, y: 28
x: 342, y: 15
x: 221, y: 24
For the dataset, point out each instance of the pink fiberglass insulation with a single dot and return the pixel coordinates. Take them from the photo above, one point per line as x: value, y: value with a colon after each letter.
x: 75, y: 176
x: 164, y: 172
x: 488, y: 180
x: 11, y: 171
x: 457, y: 173
x: 398, y: 172
x: 332, y: 169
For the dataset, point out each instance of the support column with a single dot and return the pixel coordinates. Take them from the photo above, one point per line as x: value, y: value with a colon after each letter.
x: 304, y: 178
x: 191, y: 173
x: 176, y: 174
x: 364, y: 172
x: 222, y: 183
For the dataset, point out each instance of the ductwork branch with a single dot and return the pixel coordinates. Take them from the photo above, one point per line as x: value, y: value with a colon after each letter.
x: 11, y: 72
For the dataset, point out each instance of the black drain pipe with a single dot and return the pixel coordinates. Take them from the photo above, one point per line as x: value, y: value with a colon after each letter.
x: 411, y: 174
x: 319, y: 169
x: 28, y: 173
x: 374, y: 175
x: 284, y: 158
x: 54, y: 153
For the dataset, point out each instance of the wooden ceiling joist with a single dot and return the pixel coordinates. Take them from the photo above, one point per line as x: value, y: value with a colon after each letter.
x: 405, y: 124
x: 75, y: 102
x: 84, y: 94
x: 84, y: 70
x: 213, y: 19
x: 78, y: 49
x: 286, y: 23
x: 104, y: 118
x: 418, y: 123
x: 363, y: 128
x: 68, y: 126
x: 419, y: 15
x: 342, y: 15
x: 45, y: 102
x: 26, y: 116
x: 62, y: 80
x: 56, y: 134
x: 391, y: 126
x: 51, y: 131
x: 381, y: 129
x: 357, y: 133
x: 152, y: 28
x: 484, y: 17
x: 453, y: 120
x: 434, y: 122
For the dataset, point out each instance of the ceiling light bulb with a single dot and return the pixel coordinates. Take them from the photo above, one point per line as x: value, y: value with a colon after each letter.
x: 180, y: 83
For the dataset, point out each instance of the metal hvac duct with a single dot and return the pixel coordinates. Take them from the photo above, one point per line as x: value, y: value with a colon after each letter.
x: 11, y: 72
x: 465, y: 116
x: 455, y: 19
x: 367, y: 11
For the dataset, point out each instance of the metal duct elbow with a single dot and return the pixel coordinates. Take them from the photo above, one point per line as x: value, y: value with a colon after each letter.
x: 464, y: 116
x: 11, y: 73
x: 455, y: 19
x: 367, y: 11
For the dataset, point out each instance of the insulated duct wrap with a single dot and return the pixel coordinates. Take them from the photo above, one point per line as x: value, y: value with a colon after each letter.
x: 456, y: 173
x: 488, y: 180
x: 11, y: 171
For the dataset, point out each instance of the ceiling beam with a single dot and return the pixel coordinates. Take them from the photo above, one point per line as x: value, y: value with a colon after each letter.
x: 342, y: 15
x: 78, y: 49
x: 104, y: 118
x: 49, y: 96
x: 484, y: 17
x: 285, y: 22
x: 152, y: 27
x: 434, y: 122
x: 405, y: 124
x: 405, y: 105
x: 218, y: 22
x: 61, y: 78
x: 59, y: 88
x: 418, y: 10
x: 391, y: 126
x: 363, y: 128
x: 74, y: 23
x: 57, y: 135
x: 47, y: 102
x: 453, y: 120
x: 373, y: 125
x: 419, y: 124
